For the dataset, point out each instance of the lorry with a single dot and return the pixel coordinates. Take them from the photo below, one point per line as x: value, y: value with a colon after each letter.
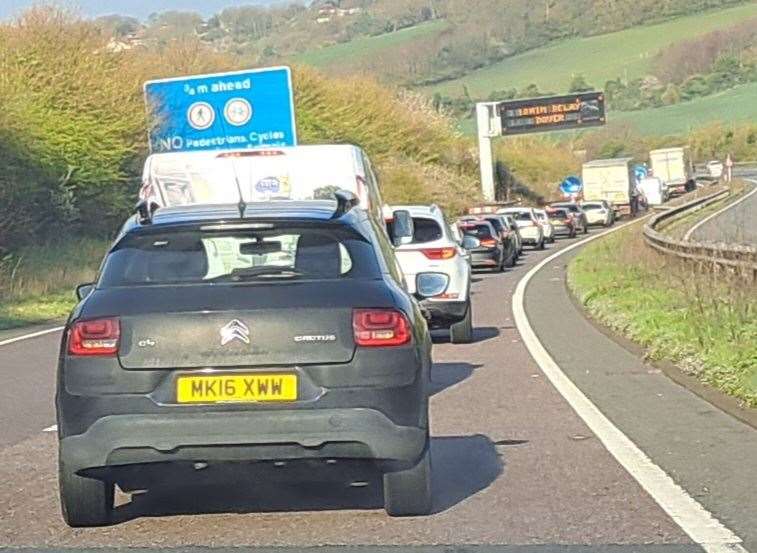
x: 675, y: 168
x: 612, y: 180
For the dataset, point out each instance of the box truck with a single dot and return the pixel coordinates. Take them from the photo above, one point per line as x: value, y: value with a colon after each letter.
x: 675, y: 168
x: 612, y: 180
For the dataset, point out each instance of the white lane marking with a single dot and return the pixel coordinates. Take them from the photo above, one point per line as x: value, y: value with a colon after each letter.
x: 53, y: 428
x: 698, y: 523
x: 32, y: 335
x: 693, y: 229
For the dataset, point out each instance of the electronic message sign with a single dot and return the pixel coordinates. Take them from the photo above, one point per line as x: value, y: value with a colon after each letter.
x: 573, y: 111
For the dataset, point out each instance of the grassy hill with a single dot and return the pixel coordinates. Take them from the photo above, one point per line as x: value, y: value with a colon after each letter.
x: 626, y: 54
x: 733, y: 106
x: 367, y: 47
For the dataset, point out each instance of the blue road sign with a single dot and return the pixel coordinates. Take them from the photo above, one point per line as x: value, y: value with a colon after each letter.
x: 571, y: 185
x: 641, y: 172
x: 242, y: 109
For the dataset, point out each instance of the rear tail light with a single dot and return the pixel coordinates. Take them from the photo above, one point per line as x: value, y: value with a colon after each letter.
x: 489, y: 243
x: 95, y: 337
x: 380, y: 327
x: 439, y: 253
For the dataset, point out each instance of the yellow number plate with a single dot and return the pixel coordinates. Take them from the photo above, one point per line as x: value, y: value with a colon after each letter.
x: 227, y: 388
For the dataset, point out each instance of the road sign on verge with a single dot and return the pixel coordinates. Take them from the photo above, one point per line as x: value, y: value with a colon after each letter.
x: 586, y: 109
x: 571, y: 186
x: 241, y: 109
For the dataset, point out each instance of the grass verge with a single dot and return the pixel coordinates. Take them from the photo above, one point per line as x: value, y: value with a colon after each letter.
x: 37, y: 283
x: 705, y: 322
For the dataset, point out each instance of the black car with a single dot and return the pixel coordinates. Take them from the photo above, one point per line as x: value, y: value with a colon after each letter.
x: 281, y: 338
x: 509, y: 241
x: 489, y: 250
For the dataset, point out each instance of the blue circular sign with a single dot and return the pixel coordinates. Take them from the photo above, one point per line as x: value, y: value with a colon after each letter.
x: 571, y: 185
x: 641, y: 172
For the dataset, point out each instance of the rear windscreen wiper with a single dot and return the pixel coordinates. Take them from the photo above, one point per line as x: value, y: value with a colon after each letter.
x: 250, y: 273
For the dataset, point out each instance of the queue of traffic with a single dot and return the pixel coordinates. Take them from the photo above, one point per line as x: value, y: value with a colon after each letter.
x: 265, y: 308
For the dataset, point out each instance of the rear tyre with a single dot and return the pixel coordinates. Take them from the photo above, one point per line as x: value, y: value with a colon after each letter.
x: 462, y: 332
x: 408, y: 492
x: 511, y: 261
x: 84, y: 501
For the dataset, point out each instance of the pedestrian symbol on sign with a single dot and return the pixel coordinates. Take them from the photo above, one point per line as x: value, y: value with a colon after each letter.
x: 201, y: 116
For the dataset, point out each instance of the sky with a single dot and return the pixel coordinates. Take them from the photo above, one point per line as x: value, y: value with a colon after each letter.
x: 135, y: 8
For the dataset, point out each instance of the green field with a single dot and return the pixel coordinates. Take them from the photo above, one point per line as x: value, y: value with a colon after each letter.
x: 738, y: 105
x: 367, y: 47
x: 627, y: 54
x: 732, y: 106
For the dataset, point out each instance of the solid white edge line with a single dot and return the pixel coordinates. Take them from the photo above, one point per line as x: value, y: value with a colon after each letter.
x: 698, y: 523
x: 53, y: 428
x: 693, y: 229
x: 32, y: 335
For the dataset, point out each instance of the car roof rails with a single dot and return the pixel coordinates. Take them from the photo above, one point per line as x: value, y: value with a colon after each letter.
x: 345, y: 201
x: 145, y: 210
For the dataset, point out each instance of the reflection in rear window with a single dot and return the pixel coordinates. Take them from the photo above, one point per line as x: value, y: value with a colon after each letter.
x: 196, y: 257
x: 426, y: 230
x: 477, y: 230
x: 520, y: 215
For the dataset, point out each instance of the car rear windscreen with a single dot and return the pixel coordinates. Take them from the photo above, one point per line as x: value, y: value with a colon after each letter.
x: 496, y: 223
x: 558, y: 214
x: 521, y: 215
x: 477, y: 230
x: 198, y: 257
x: 426, y: 230
x: 592, y: 206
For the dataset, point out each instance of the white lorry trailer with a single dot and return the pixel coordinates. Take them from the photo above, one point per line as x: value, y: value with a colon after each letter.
x: 674, y: 167
x: 611, y: 180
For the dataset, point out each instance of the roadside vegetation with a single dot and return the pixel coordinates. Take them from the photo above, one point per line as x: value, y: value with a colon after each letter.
x: 702, y: 320
x: 72, y: 146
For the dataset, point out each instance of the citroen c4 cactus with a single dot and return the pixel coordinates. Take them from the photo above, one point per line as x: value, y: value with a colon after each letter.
x: 283, y: 337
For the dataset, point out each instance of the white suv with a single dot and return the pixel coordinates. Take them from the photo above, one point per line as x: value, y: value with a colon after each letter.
x: 438, y: 272
x: 531, y: 231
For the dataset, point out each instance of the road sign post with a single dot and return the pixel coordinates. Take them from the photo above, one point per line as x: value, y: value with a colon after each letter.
x: 241, y: 109
x: 487, y: 128
x: 533, y: 115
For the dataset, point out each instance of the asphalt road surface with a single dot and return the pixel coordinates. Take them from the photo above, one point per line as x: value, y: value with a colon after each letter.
x: 735, y: 225
x: 514, y: 467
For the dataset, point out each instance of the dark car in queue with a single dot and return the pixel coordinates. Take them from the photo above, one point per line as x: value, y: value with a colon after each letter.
x: 562, y: 222
x: 506, y: 233
x: 488, y: 250
x: 281, y: 341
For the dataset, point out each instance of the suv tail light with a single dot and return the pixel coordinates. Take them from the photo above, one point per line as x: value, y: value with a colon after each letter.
x: 95, y: 337
x: 439, y: 253
x: 489, y: 243
x: 380, y: 327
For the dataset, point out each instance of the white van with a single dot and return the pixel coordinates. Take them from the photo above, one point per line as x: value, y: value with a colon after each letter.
x: 286, y: 173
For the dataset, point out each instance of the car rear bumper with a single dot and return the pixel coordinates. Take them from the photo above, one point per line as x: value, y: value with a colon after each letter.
x: 445, y: 313
x: 560, y: 230
x: 122, y: 440
x: 485, y: 258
